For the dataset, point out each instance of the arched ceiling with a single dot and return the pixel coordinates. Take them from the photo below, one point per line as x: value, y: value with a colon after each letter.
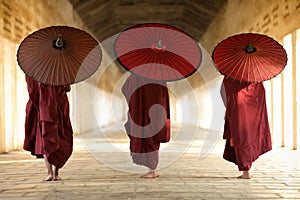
x: 106, y: 18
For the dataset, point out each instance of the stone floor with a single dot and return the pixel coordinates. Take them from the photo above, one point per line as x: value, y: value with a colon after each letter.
x: 186, y: 173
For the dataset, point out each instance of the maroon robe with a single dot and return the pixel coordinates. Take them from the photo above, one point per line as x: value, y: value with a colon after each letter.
x: 48, y: 129
x: 246, y: 128
x: 145, y: 135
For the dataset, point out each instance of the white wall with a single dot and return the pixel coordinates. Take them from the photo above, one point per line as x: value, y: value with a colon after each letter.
x: 94, y: 106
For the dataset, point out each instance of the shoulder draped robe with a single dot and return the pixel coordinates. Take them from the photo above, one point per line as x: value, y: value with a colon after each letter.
x: 246, y: 126
x: 146, y: 135
x: 48, y: 129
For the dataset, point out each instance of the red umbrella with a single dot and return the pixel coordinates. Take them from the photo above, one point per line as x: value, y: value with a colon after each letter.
x: 158, y: 52
x: 59, y: 55
x: 249, y: 57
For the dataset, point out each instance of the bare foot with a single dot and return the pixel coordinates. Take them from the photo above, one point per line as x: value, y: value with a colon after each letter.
x: 245, y: 175
x: 48, y: 178
x: 56, y: 178
x: 150, y: 175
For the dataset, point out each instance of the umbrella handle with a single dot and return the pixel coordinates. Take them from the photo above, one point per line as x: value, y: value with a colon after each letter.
x: 59, y: 43
x: 249, y: 48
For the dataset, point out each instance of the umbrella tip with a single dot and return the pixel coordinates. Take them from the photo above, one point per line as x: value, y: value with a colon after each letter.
x: 59, y: 43
x: 158, y: 47
x: 249, y: 48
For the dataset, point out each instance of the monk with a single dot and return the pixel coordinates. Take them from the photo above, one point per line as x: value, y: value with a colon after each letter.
x: 246, y: 128
x: 48, y: 130
x: 148, y: 122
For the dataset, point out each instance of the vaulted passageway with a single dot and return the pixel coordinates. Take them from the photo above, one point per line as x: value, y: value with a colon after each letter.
x: 191, y: 163
x: 97, y: 102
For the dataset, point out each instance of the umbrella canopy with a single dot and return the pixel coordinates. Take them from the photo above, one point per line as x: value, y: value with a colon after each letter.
x: 249, y: 57
x: 158, y: 52
x: 59, y: 55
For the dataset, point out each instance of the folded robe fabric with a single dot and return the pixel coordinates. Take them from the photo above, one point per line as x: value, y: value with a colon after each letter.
x: 48, y: 129
x: 246, y: 123
x: 148, y: 122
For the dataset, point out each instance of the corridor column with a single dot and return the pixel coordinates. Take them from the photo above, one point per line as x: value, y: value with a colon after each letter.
x: 294, y: 91
x: 2, y: 108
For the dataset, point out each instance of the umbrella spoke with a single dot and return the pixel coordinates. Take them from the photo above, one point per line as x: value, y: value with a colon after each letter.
x: 149, y: 60
x: 51, y: 70
x: 169, y: 70
x: 181, y: 64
